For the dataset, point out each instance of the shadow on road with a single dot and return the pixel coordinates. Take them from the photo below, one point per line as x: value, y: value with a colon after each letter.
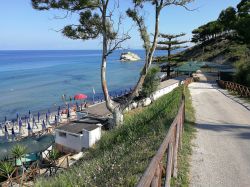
x: 235, y: 128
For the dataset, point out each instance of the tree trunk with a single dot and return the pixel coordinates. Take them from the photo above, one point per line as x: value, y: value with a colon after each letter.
x: 117, y: 117
x: 104, y: 61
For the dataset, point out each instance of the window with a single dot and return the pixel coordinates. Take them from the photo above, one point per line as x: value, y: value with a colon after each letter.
x: 62, y: 134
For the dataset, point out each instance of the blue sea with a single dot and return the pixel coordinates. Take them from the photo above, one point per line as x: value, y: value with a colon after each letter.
x: 36, y: 80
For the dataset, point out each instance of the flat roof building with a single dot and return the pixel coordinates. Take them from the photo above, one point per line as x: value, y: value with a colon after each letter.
x: 75, y: 136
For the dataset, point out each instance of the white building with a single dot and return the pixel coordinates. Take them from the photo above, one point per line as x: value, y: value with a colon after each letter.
x: 78, y: 135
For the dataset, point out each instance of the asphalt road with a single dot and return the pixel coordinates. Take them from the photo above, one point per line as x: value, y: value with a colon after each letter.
x: 221, y: 151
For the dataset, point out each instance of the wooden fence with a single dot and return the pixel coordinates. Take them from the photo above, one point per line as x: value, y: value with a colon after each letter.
x: 156, y: 174
x: 243, y: 91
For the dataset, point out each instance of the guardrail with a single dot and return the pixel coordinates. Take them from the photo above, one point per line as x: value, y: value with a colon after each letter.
x: 154, y: 175
x: 243, y: 91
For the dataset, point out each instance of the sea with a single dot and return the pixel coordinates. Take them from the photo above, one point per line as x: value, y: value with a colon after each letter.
x: 36, y: 80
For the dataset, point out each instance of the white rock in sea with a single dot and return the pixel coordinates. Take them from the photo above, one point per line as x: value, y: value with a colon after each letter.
x: 129, y: 56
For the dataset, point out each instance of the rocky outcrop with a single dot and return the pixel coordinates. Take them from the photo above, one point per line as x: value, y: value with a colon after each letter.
x: 129, y: 56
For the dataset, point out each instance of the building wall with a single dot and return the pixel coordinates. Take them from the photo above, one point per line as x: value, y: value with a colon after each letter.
x: 71, y: 141
x: 94, y: 136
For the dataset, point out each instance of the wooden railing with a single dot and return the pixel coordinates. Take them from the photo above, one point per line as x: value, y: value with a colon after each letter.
x: 188, y: 81
x: 154, y: 175
x: 243, y: 91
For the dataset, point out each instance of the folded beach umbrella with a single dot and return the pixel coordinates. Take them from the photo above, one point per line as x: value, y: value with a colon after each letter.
x: 29, y: 128
x: 25, y: 119
x: 33, y: 122
x: 29, y: 115
x: 38, y: 117
x: 20, y: 123
x: 17, y: 116
x: 13, y: 133
x: 68, y: 114
x: 43, y: 125
x: 5, y: 118
x: 6, y: 134
x: 58, y: 110
x: 46, y: 116
x: 55, y: 120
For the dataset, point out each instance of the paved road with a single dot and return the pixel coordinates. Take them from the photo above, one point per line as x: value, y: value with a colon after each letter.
x: 221, y: 152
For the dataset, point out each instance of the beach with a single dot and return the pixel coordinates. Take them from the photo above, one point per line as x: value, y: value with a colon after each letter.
x: 36, y: 80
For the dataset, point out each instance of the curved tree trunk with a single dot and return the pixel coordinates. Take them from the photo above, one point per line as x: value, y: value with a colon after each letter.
x: 118, y: 111
x: 149, y: 58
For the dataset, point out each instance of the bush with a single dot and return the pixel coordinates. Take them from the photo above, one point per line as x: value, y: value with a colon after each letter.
x: 151, y: 82
x: 243, y: 73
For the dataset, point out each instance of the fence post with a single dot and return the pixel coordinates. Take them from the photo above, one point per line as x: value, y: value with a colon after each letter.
x: 177, y: 140
x: 157, y: 177
x: 169, y: 164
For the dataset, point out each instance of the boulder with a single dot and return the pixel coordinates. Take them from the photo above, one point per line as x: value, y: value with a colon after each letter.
x: 129, y: 56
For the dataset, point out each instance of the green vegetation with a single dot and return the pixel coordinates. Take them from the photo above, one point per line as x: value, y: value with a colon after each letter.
x: 186, y: 151
x: 123, y: 154
x: 151, y: 82
x: 6, y: 169
x: 231, y: 21
x: 170, y: 43
x: 225, y: 41
x: 220, y: 50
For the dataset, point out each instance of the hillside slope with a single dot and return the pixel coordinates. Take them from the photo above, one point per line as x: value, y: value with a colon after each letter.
x: 220, y: 50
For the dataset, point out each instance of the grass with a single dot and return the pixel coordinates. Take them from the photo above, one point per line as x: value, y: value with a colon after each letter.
x: 186, y: 151
x: 123, y: 154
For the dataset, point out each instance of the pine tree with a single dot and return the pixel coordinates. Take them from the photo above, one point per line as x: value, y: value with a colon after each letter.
x: 170, y: 43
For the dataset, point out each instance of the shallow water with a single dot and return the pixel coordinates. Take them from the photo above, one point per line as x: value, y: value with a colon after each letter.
x: 36, y: 80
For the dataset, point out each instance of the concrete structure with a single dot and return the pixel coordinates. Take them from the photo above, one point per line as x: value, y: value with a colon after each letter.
x: 78, y: 135
x: 165, y: 87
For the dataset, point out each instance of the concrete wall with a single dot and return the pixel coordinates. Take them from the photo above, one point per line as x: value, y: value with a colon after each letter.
x: 164, y: 91
x: 94, y: 136
x: 71, y: 141
x: 156, y: 95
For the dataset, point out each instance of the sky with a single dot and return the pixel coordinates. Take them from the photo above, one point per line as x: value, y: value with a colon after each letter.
x: 23, y: 28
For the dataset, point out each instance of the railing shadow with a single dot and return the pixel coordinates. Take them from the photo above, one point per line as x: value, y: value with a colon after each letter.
x: 227, y: 127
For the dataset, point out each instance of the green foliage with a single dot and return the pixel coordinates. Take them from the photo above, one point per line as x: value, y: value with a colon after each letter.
x: 19, y: 151
x: 90, y: 22
x: 206, y: 32
x: 243, y: 73
x: 6, y: 168
x: 133, y: 14
x: 227, y: 19
x: 123, y: 154
x: 89, y: 28
x: 170, y: 43
x: 54, y: 154
x: 243, y: 21
x: 151, y: 82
